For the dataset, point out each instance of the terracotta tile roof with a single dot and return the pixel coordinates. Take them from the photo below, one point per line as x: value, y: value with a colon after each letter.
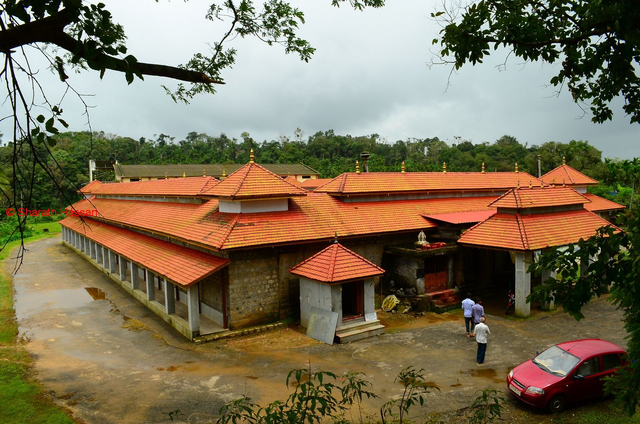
x: 336, y: 264
x: 253, y: 181
x: 293, y: 180
x: 599, y: 204
x: 539, y: 197
x: 314, y: 183
x: 174, y: 187
x: 314, y: 217
x: 534, y: 231
x: 178, y: 264
x: 93, y: 185
x: 462, y: 217
x: 368, y: 183
x: 569, y: 175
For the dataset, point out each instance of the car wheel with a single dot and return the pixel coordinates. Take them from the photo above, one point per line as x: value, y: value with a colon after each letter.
x: 557, y: 404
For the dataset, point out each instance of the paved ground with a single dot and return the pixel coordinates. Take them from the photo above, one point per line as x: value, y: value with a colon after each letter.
x: 82, y: 330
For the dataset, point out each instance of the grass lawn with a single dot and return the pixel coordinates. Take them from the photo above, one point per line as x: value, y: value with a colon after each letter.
x: 22, y: 399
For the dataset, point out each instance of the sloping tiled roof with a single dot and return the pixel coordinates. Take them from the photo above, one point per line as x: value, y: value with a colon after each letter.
x: 253, y: 181
x: 314, y: 217
x: 292, y: 180
x: 174, y: 187
x: 462, y: 217
x: 599, y: 204
x: 196, y: 170
x: 314, y: 183
x: 93, y: 185
x: 369, y: 183
x: 534, y: 231
x: 178, y: 264
x: 336, y: 264
x: 539, y: 197
x: 568, y: 175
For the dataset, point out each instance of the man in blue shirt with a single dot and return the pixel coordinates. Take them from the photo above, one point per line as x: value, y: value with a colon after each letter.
x: 477, y: 312
x: 467, y: 304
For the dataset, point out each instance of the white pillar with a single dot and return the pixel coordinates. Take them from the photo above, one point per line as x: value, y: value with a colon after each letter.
x: 369, y: 300
x: 123, y: 269
x: 194, y: 310
x: 169, y: 297
x: 523, y: 283
x: 135, y: 276
x: 151, y: 288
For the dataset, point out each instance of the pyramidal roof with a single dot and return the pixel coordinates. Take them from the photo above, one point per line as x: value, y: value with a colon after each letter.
x: 567, y: 175
x: 336, y: 264
x: 89, y: 188
x: 253, y: 181
x: 539, y: 197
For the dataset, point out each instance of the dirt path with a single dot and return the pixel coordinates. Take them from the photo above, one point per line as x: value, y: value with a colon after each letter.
x: 110, y: 360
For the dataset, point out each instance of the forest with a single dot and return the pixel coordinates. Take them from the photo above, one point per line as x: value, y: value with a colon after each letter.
x: 327, y: 152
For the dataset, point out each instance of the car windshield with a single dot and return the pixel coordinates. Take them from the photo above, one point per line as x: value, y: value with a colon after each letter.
x: 556, y: 361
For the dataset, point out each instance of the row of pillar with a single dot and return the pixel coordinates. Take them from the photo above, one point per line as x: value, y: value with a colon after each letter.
x: 115, y: 263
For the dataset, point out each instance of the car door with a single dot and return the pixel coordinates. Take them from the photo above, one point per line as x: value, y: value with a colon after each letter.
x: 586, y: 382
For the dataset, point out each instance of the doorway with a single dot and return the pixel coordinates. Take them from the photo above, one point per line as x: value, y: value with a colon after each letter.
x: 352, y: 300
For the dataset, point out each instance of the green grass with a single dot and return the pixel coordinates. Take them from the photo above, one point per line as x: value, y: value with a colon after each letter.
x: 22, y: 399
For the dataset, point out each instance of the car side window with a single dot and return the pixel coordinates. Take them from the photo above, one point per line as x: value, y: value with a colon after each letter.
x: 590, y: 366
x: 610, y: 361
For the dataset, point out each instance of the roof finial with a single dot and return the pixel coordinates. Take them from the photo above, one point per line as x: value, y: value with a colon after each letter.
x: 564, y: 162
x: 357, y: 167
x: 335, y: 240
x: 530, y: 184
x: 403, y: 167
x: 165, y: 175
x: 553, y: 183
x: 224, y: 173
x: 516, y: 167
x: 563, y: 182
x: 483, y: 167
x: 251, y: 159
x: 184, y: 175
x: 444, y: 167
x: 518, y: 184
x: 204, y: 173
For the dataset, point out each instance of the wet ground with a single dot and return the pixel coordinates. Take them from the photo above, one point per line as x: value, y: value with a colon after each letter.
x: 110, y: 360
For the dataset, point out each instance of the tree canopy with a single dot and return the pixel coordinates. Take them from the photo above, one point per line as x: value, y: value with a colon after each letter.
x: 596, y: 43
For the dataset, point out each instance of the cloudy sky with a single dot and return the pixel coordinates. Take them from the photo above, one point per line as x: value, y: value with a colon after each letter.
x: 369, y: 75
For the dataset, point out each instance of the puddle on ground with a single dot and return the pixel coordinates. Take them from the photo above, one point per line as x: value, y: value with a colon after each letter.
x: 96, y: 293
x: 421, y: 383
x: 252, y: 377
x: 488, y: 373
x: 29, y: 302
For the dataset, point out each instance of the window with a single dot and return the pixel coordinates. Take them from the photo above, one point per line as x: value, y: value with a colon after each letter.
x: 610, y: 361
x: 591, y: 366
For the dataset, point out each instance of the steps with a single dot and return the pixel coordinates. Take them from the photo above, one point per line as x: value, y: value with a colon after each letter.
x: 358, y: 330
x: 444, y: 300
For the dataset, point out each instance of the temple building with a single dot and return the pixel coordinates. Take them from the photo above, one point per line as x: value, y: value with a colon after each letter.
x: 214, y: 256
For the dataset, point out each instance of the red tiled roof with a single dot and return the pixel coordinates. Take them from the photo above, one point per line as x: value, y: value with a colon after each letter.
x: 93, y: 185
x: 568, y: 175
x: 314, y: 183
x: 178, y: 264
x: 462, y: 217
x: 539, y: 197
x: 314, y: 217
x: 368, y: 183
x: 173, y: 187
x: 292, y: 180
x: 336, y: 264
x: 599, y: 204
x: 534, y: 231
x: 253, y: 181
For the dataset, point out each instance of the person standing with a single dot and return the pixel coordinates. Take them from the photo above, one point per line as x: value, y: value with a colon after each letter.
x: 481, y: 330
x: 477, y: 312
x: 467, y: 304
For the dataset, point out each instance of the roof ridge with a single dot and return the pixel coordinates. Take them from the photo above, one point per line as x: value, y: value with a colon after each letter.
x: 206, y: 181
x: 232, y: 225
x: 523, y: 233
x: 332, y: 264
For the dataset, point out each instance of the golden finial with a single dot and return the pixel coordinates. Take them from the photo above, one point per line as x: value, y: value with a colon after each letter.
x: 204, y: 173
x: 564, y: 162
x: 518, y: 184
x: 184, y: 175
x: 165, y: 175
x: 444, y: 167
x: 516, y: 167
x: 530, y: 184
x: 563, y: 182
x: 224, y: 173
x: 251, y: 159
x: 553, y: 183
x: 357, y: 167
x: 403, y: 167
x: 483, y: 167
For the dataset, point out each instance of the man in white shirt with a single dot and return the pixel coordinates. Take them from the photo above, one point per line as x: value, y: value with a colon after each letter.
x: 467, y: 304
x: 481, y: 331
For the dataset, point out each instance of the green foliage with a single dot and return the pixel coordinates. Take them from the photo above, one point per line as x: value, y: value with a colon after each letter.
x: 414, y: 392
x: 607, y: 262
x: 487, y: 407
x: 596, y: 44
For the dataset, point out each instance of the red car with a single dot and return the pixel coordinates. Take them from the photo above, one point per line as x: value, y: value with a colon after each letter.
x: 566, y: 372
